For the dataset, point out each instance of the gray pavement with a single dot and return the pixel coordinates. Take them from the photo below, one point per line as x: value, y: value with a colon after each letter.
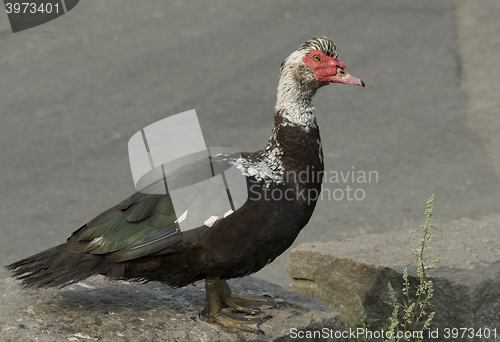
x: 73, y: 91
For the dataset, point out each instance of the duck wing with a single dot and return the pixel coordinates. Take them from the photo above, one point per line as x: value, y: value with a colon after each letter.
x: 147, y: 223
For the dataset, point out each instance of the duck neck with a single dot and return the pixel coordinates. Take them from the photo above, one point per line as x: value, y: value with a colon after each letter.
x: 294, y: 144
x: 294, y: 103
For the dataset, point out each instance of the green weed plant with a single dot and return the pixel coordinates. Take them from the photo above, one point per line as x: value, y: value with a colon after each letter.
x: 409, y: 319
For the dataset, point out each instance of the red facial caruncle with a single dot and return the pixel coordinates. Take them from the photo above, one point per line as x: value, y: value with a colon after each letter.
x: 329, y: 69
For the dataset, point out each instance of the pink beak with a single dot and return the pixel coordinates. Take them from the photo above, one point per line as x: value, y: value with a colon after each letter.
x: 343, y: 77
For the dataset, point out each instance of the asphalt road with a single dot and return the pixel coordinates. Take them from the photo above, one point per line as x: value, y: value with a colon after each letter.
x: 73, y: 91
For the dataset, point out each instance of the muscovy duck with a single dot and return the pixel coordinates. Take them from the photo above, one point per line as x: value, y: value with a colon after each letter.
x: 139, y: 239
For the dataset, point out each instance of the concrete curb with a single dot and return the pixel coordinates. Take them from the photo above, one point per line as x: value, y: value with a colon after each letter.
x: 466, y: 284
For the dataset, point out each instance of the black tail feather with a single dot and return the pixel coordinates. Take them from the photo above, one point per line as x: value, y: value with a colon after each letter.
x: 63, y: 265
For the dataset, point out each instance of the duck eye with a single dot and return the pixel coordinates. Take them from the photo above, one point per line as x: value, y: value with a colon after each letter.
x: 317, y: 58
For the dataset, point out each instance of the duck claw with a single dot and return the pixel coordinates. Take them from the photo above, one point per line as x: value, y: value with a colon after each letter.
x: 242, y: 322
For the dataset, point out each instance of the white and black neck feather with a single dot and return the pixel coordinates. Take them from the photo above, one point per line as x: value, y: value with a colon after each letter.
x: 295, y: 139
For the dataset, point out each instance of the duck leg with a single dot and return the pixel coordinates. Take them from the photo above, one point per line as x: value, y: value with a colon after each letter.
x: 247, y: 304
x: 234, y: 316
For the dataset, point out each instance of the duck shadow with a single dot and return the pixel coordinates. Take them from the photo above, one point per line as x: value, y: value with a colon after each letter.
x: 122, y: 296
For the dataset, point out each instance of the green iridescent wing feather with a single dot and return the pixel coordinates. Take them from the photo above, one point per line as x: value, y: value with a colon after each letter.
x: 146, y: 224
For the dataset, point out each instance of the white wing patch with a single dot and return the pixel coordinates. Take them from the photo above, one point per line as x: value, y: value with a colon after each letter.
x: 210, y: 221
x: 97, y: 242
x: 182, y: 217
